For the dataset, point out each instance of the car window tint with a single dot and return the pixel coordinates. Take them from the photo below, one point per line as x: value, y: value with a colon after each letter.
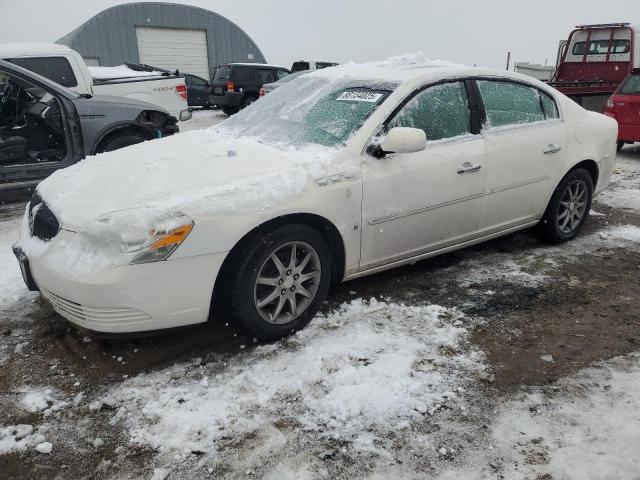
x: 56, y: 69
x: 222, y: 73
x: 240, y: 74
x: 442, y: 111
x: 266, y: 76
x: 631, y: 86
x: 549, y: 106
x: 281, y: 74
x: 508, y: 103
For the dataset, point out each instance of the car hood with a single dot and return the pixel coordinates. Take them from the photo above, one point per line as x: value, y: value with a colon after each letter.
x: 198, y: 172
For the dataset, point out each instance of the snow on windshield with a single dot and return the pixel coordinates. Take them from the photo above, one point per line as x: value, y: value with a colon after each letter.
x: 311, y: 109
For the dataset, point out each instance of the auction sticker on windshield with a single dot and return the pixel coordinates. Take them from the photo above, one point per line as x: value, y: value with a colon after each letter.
x: 354, y: 96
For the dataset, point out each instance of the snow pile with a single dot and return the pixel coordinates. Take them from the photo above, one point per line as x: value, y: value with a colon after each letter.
x: 121, y: 71
x: 38, y: 400
x: 358, y: 376
x: 588, y: 432
x: 18, y: 437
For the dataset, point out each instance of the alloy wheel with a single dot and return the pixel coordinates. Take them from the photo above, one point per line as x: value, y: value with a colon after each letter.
x: 572, y: 206
x: 287, y: 282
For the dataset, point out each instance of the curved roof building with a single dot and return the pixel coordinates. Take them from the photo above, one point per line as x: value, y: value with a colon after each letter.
x: 167, y: 35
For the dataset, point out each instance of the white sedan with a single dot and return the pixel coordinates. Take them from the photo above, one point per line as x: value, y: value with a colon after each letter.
x: 341, y: 173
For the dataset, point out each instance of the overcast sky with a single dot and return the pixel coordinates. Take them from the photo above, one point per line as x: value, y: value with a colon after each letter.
x: 463, y: 31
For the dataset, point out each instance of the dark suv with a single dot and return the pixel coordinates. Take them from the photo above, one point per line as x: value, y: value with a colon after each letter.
x: 236, y: 85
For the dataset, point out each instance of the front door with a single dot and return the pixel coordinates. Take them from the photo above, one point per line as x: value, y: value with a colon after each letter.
x: 417, y: 202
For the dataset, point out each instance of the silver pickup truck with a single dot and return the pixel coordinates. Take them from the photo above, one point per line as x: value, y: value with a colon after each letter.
x: 65, y: 66
x: 45, y: 127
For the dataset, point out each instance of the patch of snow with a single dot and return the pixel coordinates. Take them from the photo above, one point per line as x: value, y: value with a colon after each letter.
x: 120, y: 71
x: 18, y: 437
x: 44, y: 447
x: 587, y: 432
x: 368, y: 367
x: 41, y: 400
x: 479, y: 271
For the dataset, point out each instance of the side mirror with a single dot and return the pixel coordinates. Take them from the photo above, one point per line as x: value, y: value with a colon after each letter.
x: 403, y: 140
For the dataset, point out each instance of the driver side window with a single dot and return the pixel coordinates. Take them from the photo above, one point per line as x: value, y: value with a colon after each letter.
x: 441, y: 111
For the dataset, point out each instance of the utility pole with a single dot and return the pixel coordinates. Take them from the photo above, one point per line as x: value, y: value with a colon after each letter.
x: 508, y: 60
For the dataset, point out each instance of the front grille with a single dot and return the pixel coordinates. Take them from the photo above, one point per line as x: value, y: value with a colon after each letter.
x: 43, y: 224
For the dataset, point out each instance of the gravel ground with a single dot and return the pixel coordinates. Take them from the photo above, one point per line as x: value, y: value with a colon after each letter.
x: 497, y: 361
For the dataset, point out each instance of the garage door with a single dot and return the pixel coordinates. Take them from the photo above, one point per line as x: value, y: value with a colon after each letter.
x: 174, y: 48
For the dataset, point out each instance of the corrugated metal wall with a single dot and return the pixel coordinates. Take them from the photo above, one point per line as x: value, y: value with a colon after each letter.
x: 110, y: 36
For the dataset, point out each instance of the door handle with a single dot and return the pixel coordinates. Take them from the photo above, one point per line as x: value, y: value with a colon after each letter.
x: 468, y: 168
x: 551, y: 148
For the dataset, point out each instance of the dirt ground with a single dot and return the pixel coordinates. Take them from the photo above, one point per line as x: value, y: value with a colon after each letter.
x: 585, y: 310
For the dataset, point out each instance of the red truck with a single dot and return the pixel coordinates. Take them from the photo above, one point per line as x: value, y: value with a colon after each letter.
x: 594, y: 61
x: 624, y: 106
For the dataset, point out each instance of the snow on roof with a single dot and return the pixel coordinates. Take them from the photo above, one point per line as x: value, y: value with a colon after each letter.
x: 11, y: 50
x: 397, y: 68
x: 121, y: 71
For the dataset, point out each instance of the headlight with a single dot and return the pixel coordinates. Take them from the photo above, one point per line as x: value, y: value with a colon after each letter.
x: 145, y: 238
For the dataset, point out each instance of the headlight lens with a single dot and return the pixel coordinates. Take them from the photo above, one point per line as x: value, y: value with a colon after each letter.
x: 141, y: 237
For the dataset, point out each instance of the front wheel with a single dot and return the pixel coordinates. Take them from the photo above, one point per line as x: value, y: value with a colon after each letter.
x: 281, y: 280
x: 120, y: 141
x: 569, y: 207
x: 230, y: 110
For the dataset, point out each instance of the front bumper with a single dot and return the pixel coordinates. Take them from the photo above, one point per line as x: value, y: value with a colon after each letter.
x: 131, y: 298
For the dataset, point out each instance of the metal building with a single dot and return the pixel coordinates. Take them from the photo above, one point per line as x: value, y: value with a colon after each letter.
x: 167, y: 35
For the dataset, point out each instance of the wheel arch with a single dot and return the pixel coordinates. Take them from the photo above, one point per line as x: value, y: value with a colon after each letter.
x: 320, y: 223
x: 590, y: 166
x: 119, y: 130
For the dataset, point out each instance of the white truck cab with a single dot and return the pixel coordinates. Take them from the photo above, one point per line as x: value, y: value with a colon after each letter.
x: 66, y: 67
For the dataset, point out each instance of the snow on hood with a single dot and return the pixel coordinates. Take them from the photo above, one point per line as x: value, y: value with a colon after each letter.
x: 201, y: 171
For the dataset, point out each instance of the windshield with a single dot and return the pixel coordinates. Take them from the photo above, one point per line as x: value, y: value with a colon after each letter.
x: 310, y: 110
x: 631, y: 85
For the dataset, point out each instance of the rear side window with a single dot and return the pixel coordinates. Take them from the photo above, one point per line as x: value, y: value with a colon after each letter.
x: 56, y: 69
x: 222, y: 73
x: 549, y: 106
x: 299, y: 66
x: 265, y: 76
x: 631, y: 86
x: 508, y: 103
x: 281, y: 74
x: 442, y: 111
x: 241, y: 74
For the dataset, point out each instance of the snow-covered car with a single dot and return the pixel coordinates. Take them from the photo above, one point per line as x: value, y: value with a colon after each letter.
x: 342, y: 173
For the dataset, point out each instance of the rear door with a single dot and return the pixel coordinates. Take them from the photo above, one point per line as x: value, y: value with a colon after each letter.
x: 526, y: 143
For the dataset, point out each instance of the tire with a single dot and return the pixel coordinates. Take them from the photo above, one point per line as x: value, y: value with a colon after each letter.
x: 620, y: 145
x: 246, y: 101
x: 120, y: 141
x: 571, y: 198
x: 273, y: 320
x: 230, y: 110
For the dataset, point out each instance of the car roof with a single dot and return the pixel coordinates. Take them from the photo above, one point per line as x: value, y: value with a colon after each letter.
x: 415, y: 70
x: 11, y: 50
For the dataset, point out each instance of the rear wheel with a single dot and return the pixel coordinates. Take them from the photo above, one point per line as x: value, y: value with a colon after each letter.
x: 230, y: 110
x: 569, y: 207
x: 246, y: 101
x: 281, y: 280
